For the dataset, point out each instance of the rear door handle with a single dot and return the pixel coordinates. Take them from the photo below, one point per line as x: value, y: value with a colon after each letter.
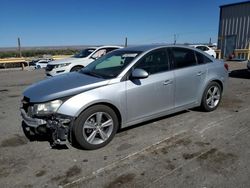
x: 200, y: 73
x: 167, y: 82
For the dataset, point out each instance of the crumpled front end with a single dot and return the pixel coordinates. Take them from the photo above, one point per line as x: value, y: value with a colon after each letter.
x: 55, y: 127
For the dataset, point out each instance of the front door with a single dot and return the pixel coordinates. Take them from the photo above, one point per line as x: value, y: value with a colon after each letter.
x: 152, y: 95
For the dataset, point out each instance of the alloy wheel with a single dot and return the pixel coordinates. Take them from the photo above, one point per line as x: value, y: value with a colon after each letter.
x: 213, y: 97
x: 98, y: 127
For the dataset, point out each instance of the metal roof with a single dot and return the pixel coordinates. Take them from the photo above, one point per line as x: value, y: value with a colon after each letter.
x: 233, y: 4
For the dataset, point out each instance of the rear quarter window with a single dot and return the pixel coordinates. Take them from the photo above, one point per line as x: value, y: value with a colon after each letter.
x: 202, y: 59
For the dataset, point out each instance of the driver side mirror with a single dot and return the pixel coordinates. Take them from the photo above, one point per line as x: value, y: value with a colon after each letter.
x: 139, y: 74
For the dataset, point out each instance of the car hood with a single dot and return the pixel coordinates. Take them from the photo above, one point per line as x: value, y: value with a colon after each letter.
x: 66, y: 60
x: 62, y: 86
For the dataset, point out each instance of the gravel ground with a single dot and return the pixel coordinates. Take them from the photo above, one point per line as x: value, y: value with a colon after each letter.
x: 187, y: 149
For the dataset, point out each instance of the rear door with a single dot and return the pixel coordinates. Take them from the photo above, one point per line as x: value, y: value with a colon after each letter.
x: 189, y: 76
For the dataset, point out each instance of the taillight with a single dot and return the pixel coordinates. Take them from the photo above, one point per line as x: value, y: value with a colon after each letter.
x: 226, y: 66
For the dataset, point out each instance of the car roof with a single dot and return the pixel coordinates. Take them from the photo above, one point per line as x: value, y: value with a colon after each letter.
x: 196, y: 45
x: 144, y: 48
x: 109, y: 46
x: 42, y: 60
x: 98, y: 47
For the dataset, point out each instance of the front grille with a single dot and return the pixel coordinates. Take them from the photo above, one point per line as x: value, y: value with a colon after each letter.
x: 50, y: 67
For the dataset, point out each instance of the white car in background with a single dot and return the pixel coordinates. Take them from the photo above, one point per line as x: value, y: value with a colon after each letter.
x: 42, y: 64
x: 78, y: 61
x: 205, y: 49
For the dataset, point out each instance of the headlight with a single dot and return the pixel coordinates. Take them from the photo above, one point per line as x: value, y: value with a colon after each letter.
x: 47, y: 108
x: 62, y: 65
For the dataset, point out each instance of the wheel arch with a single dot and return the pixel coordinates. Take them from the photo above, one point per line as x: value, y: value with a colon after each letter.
x: 212, y: 80
x: 74, y: 66
x: 219, y: 82
x: 203, y: 105
x: 113, y: 107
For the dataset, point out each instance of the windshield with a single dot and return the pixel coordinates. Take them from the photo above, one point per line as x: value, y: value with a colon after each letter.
x: 84, y: 53
x: 110, y: 65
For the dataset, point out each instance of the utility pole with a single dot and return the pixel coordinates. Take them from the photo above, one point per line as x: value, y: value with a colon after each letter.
x: 19, y: 51
x: 126, y: 42
x: 174, y: 39
x: 19, y: 47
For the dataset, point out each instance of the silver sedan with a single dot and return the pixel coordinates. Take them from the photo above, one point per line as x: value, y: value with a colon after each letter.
x: 123, y: 88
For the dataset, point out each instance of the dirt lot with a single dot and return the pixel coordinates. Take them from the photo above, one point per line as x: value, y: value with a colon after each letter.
x: 188, y: 149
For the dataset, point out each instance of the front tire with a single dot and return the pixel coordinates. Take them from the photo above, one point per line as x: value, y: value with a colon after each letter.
x: 95, y: 127
x: 211, y: 97
x: 38, y: 67
x: 76, y: 68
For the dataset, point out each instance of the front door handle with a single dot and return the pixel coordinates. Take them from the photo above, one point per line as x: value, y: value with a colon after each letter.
x: 167, y: 82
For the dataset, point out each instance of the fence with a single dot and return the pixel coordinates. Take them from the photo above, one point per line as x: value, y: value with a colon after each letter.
x: 22, y: 62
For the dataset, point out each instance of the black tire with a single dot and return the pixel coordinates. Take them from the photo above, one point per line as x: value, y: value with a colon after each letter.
x: 76, y: 68
x: 82, y: 134
x: 207, y: 104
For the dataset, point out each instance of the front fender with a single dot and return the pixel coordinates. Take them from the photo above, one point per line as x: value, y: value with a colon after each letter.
x: 112, y: 94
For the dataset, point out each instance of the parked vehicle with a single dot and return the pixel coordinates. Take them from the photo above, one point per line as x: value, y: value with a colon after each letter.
x: 123, y: 88
x: 78, y: 61
x: 248, y: 65
x: 206, y: 49
x: 41, y: 64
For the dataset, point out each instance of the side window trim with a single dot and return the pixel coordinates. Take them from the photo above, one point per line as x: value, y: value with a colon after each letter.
x: 171, y: 59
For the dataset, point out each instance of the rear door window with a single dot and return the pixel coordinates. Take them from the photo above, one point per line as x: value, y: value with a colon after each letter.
x: 183, y: 57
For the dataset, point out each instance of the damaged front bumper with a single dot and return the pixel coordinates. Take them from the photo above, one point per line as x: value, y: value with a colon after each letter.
x: 56, y: 126
x: 31, y: 122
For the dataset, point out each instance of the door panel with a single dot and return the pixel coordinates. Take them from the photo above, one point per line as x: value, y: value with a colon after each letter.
x: 150, y: 96
x: 188, y: 82
x: 189, y: 75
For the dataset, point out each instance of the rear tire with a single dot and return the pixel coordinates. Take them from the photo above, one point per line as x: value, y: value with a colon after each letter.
x: 95, y: 127
x: 211, y: 97
x: 76, y: 68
